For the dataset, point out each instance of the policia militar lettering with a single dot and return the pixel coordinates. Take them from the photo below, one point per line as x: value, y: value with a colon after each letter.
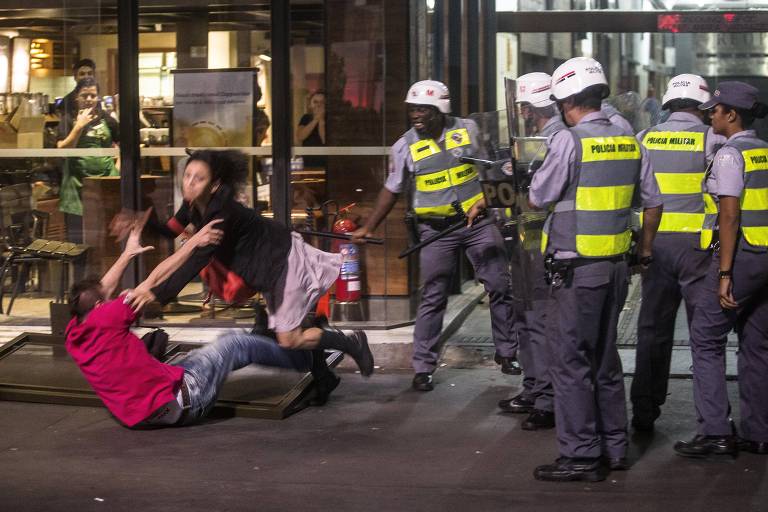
x: 427, y: 158
x: 679, y: 151
x: 589, y: 180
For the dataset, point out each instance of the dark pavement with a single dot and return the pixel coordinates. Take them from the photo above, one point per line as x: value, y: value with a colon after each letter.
x: 376, y: 446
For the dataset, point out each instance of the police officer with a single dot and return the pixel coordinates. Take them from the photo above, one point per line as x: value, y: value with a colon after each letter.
x: 616, y: 117
x: 537, y: 398
x: 735, y: 291
x: 427, y: 156
x: 678, y: 151
x: 588, y: 180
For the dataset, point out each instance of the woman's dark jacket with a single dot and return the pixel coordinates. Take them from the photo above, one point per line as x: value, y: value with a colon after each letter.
x: 253, y: 247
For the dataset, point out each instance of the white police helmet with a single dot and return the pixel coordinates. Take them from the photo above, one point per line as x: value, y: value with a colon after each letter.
x: 534, y: 88
x: 430, y: 92
x: 686, y: 87
x: 575, y: 76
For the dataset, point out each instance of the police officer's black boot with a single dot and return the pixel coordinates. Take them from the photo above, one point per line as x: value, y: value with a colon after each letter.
x: 509, y: 365
x: 355, y: 344
x: 568, y: 469
x: 422, y: 381
x: 325, y: 380
x: 701, y: 447
x: 518, y: 405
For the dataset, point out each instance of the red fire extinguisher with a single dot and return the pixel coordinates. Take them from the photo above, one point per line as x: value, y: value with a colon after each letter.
x: 348, y: 282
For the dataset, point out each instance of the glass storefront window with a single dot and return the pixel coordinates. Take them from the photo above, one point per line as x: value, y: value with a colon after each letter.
x: 58, y: 151
x: 349, y: 78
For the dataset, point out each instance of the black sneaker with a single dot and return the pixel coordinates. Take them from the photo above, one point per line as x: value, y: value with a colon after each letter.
x: 566, y: 469
x: 422, y: 381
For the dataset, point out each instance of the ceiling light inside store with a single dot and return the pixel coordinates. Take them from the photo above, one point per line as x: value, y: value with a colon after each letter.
x: 20, y: 64
x: 265, y: 57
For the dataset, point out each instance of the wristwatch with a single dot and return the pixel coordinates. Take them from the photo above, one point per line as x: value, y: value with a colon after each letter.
x: 726, y: 274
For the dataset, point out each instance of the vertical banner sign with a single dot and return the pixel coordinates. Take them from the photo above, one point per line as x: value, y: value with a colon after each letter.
x: 213, y: 108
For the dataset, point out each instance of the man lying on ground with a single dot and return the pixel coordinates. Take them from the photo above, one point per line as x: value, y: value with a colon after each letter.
x: 139, y: 390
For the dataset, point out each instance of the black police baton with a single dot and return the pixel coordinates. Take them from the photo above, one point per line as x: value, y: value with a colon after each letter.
x: 477, y: 161
x: 447, y: 231
x: 339, y: 236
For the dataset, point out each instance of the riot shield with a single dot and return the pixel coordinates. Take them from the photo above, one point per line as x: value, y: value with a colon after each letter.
x: 513, y: 152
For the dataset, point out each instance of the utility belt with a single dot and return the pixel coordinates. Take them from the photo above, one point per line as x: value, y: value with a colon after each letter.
x: 560, y: 272
x: 439, y: 222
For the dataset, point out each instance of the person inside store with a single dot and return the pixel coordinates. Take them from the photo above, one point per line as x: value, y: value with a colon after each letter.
x: 735, y: 289
x: 84, y: 68
x: 87, y: 127
x: 139, y: 390
x: 589, y: 181
x: 427, y: 159
x: 311, y: 129
x: 256, y: 254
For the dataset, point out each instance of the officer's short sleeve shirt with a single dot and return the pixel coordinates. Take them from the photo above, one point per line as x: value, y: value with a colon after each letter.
x: 552, y: 178
x: 400, y: 163
x: 727, y: 177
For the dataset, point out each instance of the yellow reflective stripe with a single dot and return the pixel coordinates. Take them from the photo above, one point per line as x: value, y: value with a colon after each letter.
x: 679, y: 182
x: 444, y: 210
x: 544, y: 241
x: 456, y: 138
x: 755, y: 159
x: 597, y: 246
x: 681, y: 222
x: 706, y: 238
x: 674, y: 141
x: 423, y: 149
x: 441, y: 180
x: 447, y: 210
x: 754, y: 199
x: 433, y: 182
x: 596, y: 149
x: 709, y: 204
x: 462, y: 174
x: 466, y: 205
x: 756, y: 235
x: 604, y: 198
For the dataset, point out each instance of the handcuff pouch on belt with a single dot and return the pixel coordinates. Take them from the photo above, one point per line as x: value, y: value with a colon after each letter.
x: 557, y: 272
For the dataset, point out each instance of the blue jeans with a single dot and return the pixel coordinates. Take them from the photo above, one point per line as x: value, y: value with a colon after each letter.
x: 206, y: 368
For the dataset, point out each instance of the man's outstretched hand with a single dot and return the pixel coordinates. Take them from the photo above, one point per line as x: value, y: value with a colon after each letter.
x: 138, y: 297
x: 133, y: 243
